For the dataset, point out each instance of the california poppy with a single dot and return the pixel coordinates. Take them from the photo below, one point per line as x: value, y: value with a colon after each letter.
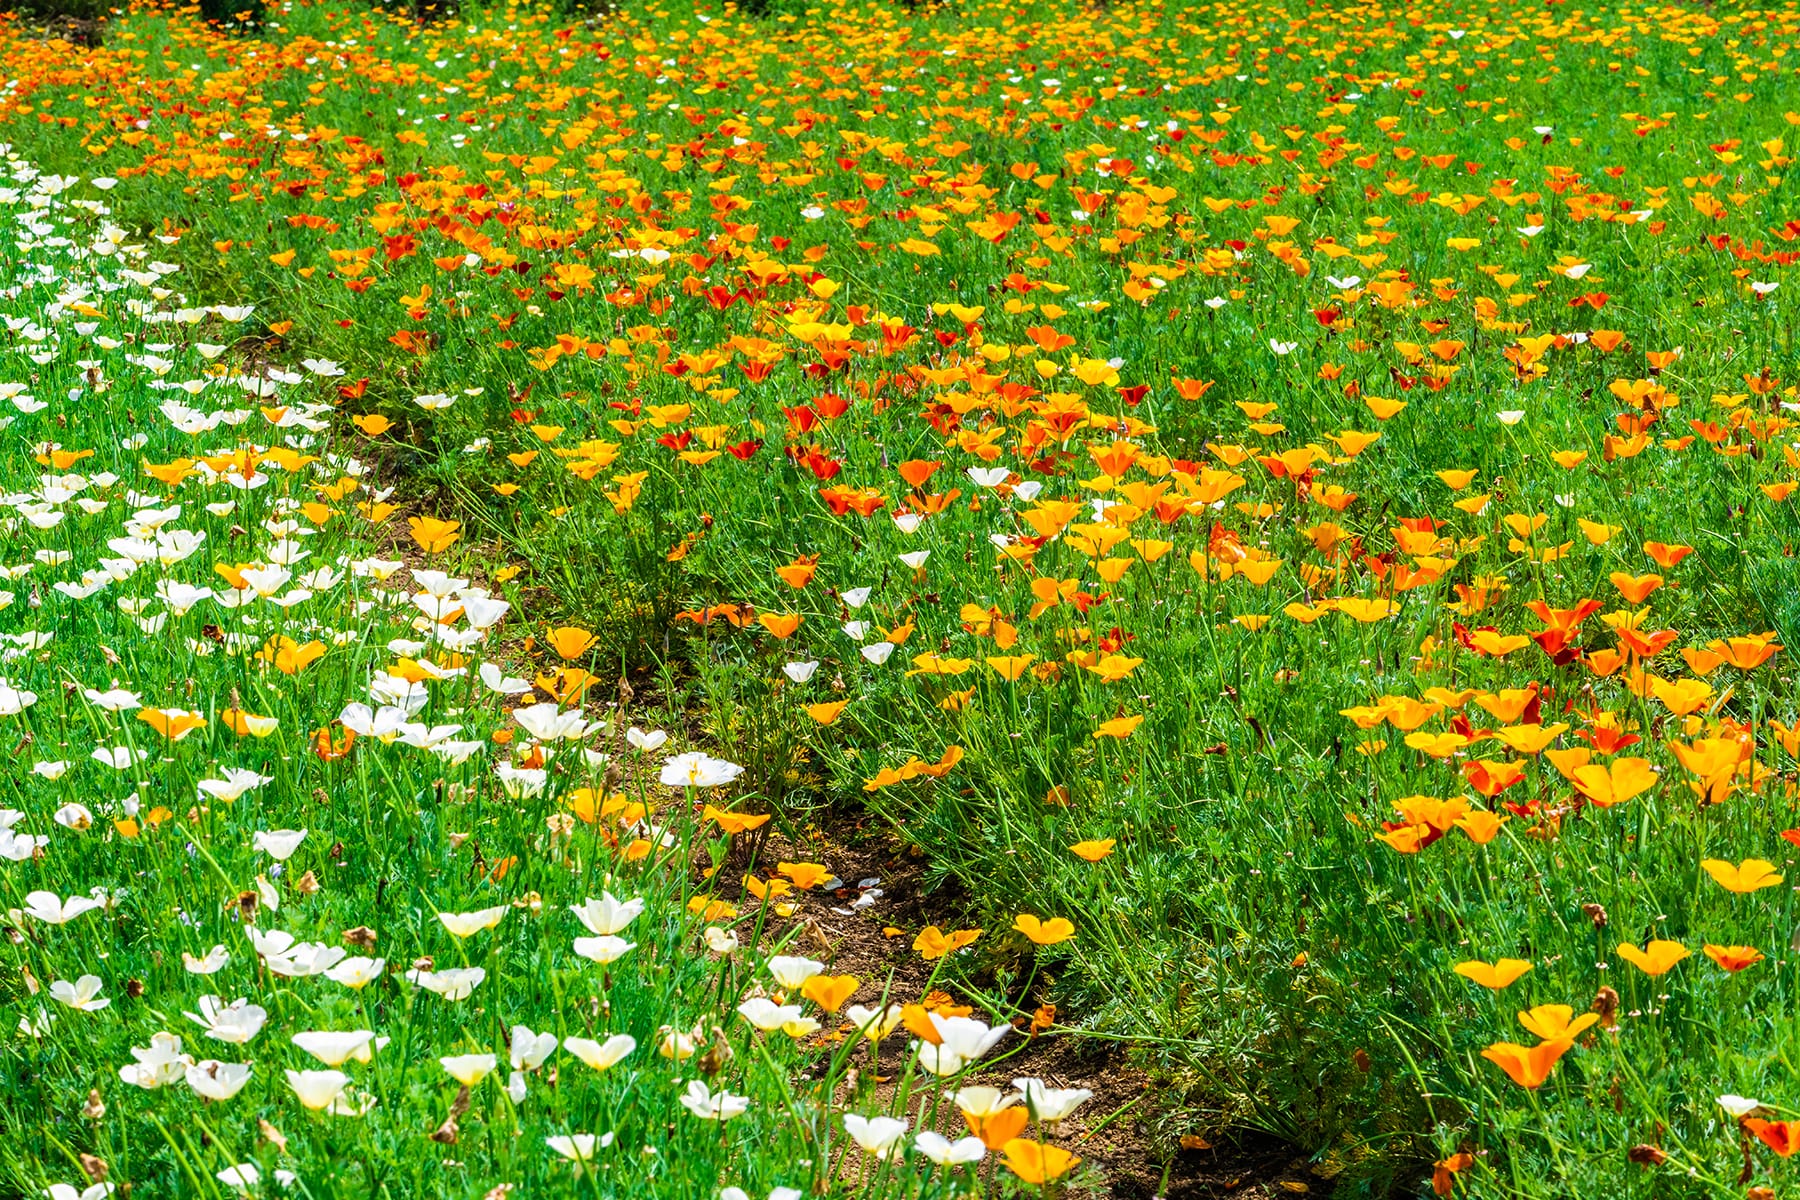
x: 1751, y: 875
x: 1657, y: 958
x: 1044, y: 933
x: 1037, y: 1163
x: 1528, y: 1066
x: 1496, y: 975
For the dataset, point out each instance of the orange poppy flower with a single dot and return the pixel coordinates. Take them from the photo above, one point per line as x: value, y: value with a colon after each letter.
x: 732, y: 822
x: 774, y: 889
x: 172, y: 723
x: 1751, y: 875
x: 1733, y: 958
x: 1495, y: 975
x: 799, y: 572
x: 570, y: 641
x: 1036, y: 1162
x: 1783, y: 1137
x: 329, y: 748
x: 1119, y: 728
x: 1044, y: 933
x: 806, y: 876
x: 434, y: 535
x: 933, y: 943
x: 830, y: 991
x: 1615, y: 783
x: 1491, y: 777
x: 1555, y: 1022
x: 1746, y: 653
x: 825, y: 714
x: 1658, y: 958
x: 916, y: 471
x: 1528, y: 1066
x: 781, y: 626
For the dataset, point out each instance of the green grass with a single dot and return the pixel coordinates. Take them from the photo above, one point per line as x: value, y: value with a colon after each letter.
x: 1276, y: 965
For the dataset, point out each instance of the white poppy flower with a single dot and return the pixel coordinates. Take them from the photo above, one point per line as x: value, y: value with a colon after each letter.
x: 601, y: 1055
x: 46, y: 907
x: 453, y: 984
x: 790, y: 971
x: 607, y: 915
x: 579, y: 1147
x: 708, y: 1105
x: 469, y: 1069
x: 603, y: 950
x: 317, y: 1089
x: 877, y: 1135
x: 645, y: 742
x: 470, y: 923
x: 213, y: 961
x: 158, y: 1065
x: 235, y: 1023
x: 946, y: 1153
x: 530, y: 1050
x: 695, y: 769
x: 279, y: 844
x: 83, y: 994
x: 217, y: 1080
x: 334, y: 1048
x: 356, y: 973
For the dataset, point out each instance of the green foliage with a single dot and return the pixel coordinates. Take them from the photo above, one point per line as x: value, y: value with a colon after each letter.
x: 1252, y: 938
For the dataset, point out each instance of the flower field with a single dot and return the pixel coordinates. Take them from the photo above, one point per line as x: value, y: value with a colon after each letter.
x: 901, y: 601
